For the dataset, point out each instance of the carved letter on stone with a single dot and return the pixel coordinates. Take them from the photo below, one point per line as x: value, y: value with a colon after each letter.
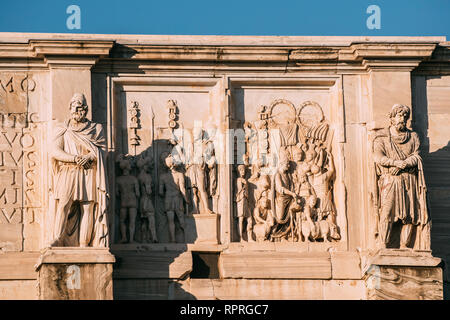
x: 128, y: 192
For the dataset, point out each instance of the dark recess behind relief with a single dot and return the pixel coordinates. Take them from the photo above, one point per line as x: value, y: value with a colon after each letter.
x: 205, y: 265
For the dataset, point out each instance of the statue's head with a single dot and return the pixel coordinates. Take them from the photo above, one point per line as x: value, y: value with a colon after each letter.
x: 78, y: 107
x: 144, y: 163
x: 297, y: 153
x: 241, y: 170
x: 125, y: 165
x: 169, y: 162
x: 399, y: 115
x: 284, y: 165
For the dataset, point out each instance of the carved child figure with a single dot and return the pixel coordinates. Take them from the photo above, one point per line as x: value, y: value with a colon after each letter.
x: 172, y: 188
x: 147, y: 210
x: 128, y: 191
x: 308, y: 228
x: 243, y: 212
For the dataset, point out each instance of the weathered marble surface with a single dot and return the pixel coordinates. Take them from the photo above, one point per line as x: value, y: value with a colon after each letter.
x: 403, y: 275
x: 75, y: 274
x: 141, y: 89
x: 404, y: 283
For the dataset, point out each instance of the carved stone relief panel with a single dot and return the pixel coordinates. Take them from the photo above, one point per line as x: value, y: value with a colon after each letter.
x: 166, y: 165
x: 289, y: 164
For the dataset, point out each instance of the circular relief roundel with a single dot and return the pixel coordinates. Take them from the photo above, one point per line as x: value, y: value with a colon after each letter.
x: 282, y: 111
x: 310, y: 114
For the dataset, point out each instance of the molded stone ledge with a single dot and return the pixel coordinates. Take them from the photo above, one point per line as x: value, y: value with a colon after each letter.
x: 275, y: 265
x: 402, y: 257
x: 87, y: 255
x: 239, y: 289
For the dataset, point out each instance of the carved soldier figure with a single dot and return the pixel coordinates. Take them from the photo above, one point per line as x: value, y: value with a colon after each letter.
x: 79, y: 191
x: 243, y: 212
x: 147, y: 210
x: 128, y: 191
x: 172, y: 188
x: 321, y: 181
x: 401, y: 183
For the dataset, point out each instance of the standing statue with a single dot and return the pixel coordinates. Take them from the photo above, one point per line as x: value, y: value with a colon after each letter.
x: 128, y: 191
x: 172, y: 188
x: 243, y: 212
x: 78, y: 200
x: 196, y: 169
x: 401, y: 184
x: 147, y: 211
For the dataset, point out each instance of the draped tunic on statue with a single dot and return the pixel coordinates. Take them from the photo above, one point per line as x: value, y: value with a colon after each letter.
x: 73, y: 182
x: 403, y: 190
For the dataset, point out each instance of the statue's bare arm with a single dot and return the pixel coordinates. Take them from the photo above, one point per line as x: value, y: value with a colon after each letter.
x: 182, y: 186
x: 380, y: 156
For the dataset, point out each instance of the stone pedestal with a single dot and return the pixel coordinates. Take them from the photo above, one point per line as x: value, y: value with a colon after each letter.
x: 397, y: 274
x: 75, y: 274
x: 203, y: 228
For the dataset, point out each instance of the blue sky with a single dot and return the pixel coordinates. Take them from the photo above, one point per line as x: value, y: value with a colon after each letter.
x: 230, y: 17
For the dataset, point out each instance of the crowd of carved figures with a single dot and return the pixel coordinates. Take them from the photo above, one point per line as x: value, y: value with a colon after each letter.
x: 186, y: 183
x: 284, y: 188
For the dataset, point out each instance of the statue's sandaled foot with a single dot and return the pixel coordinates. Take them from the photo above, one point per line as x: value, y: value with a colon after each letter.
x: 123, y: 241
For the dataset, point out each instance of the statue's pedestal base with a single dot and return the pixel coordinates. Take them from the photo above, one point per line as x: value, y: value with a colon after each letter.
x: 203, y: 228
x: 68, y: 273
x: 403, y: 274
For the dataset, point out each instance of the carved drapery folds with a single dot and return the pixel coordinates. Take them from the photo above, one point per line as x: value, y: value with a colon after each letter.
x: 400, y: 192
x: 287, y: 193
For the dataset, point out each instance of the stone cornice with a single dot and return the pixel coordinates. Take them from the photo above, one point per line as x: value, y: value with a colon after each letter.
x: 70, y: 53
x: 344, y: 54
